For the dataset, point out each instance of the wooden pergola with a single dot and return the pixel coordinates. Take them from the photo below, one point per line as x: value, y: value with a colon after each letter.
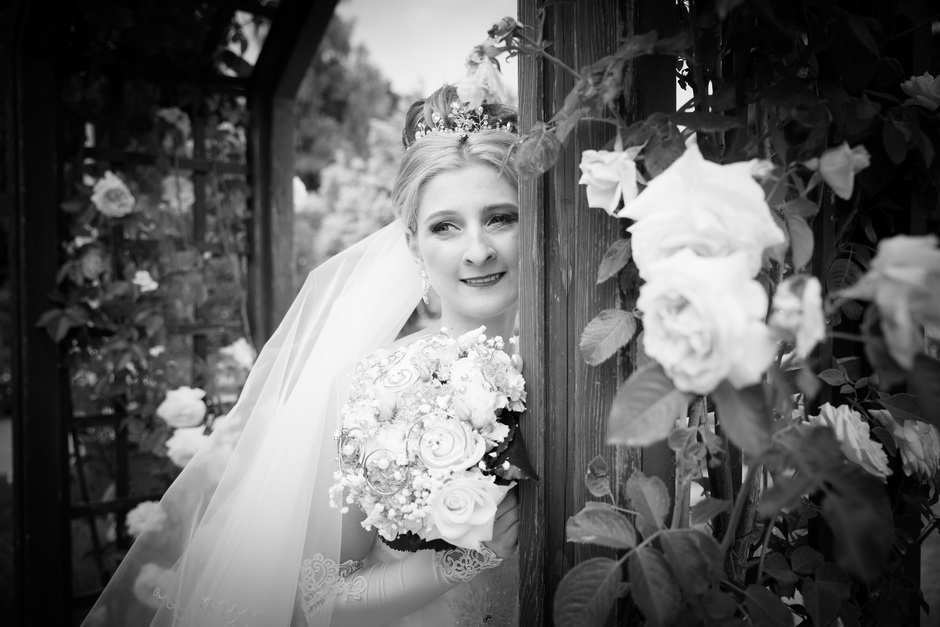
x: 568, y: 400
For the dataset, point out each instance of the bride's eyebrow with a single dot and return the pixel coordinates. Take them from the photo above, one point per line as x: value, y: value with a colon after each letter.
x: 498, y: 206
x: 437, y: 215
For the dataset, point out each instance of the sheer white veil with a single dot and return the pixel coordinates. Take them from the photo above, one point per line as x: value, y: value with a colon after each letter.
x: 252, y: 503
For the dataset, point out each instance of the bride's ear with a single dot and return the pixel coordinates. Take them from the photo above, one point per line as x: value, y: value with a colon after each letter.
x: 412, y: 241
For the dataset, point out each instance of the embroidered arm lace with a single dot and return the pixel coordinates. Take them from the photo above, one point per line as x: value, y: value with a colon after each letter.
x: 386, y: 591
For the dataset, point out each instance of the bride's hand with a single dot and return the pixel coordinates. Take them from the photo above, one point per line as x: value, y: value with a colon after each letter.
x: 506, y: 527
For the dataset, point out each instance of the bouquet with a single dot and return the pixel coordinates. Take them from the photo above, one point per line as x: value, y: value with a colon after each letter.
x: 430, y: 441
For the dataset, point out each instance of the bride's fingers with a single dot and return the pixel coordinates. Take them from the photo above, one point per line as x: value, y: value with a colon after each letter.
x: 517, y: 362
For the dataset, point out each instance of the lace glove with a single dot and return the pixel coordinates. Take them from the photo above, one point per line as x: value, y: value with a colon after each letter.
x: 387, y: 591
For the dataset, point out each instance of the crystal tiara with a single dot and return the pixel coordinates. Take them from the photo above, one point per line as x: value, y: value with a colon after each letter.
x: 461, y: 122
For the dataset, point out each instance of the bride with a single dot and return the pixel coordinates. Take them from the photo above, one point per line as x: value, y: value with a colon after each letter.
x: 249, y: 537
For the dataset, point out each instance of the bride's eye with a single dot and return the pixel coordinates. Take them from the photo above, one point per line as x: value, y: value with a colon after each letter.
x: 441, y: 227
x: 503, y: 219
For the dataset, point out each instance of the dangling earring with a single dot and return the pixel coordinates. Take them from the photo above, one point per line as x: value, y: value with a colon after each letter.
x: 425, y: 286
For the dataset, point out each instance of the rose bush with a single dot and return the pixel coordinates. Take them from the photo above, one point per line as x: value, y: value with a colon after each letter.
x: 183, y: 407
x: 184, y: 444
x: 148, y: 516
x: 838, y: 167
x: 711, y: 209
x: 854, y: 435
x: 924, y: 90
x: 112, y: 197
x: 464, y: 509
x: 797, y: 315
x: 704, y: 321
x: 610, y: 177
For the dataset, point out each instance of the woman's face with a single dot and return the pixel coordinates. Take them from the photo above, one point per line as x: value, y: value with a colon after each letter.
x: 467, y: 240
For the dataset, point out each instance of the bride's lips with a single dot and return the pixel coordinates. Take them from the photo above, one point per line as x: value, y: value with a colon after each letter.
x: 484, y: 281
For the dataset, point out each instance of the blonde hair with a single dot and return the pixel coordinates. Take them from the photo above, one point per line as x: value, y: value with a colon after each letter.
x: 437, y: 153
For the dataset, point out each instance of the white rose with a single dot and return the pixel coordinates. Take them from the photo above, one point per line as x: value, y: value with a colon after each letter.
x: 838, y: 167
x: 449, y: 444
x: 112, y: 197
x: 183, y: 445
x: 711, y: 209
x: 178, y: 192
x: 609, y: 177
x: 474, y: 400
x: 703, y: 321
x: 904, y: 283
x: 144, y: 281
x: 797, y: 314
x: 147, y: 516
x: 151, y: 578
x: 183, y: 407
x: 241, y: 352
x: 854, y: 435
x: 924, y: 90
x: 483, y: 83
x: 918, y: 443
x: 464, y: 510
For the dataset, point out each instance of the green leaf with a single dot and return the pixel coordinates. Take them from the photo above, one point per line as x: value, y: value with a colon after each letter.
x: 609, y: 331
x: 776, y: 566
x: 823, y: 597
x: 902, y: 407
x: 833, y: 377
x: 924, y: 382
x: 744, y: 416
x: 601, y: 523
x: 650, y: 499
x: 895, y: 137
x: 694, y: 558
x: 801, y: 208
x: 801, y: 240
x: 806, y: 560
x: 645, y: 408
x: 538, y: 151
x: 705, y: 122
x: 708, y: 508
x: 615, y: 258
x: 842, y: 273
x: 766, y: 609
x: 596, y: 478
x: 586, y: 593
x: 653, y: 587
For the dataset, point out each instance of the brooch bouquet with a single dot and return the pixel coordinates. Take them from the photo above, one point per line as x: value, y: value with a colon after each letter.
x: 430, y: 441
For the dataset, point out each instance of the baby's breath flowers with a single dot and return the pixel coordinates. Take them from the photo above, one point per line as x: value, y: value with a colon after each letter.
x: 423, y: 437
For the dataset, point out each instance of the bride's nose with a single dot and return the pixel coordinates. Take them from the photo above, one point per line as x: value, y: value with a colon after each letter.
x: 479, y: 248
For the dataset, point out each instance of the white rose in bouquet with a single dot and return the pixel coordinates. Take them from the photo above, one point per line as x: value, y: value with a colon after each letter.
x: 464, y: 510
x: 183, y: 445
x: 147, y: 516
x: 150, y: 578
x: 924, y: 90
x: 183, y: 407
x: 703, y: 321
x: 711, y: 209
x: 797, y: 314
x: 854, y: 435
x: 449, y: 444
x: 904, y: 283
x: 474, y: 398
x: 111, y: 196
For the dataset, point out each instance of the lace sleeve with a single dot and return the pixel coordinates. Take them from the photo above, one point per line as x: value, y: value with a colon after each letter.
x: 386, y: 591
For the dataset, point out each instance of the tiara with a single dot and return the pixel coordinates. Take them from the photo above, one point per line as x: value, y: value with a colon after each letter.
x: 462, y: 122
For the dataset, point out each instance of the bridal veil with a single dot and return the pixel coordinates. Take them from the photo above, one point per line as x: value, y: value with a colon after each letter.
x: 253, y: 501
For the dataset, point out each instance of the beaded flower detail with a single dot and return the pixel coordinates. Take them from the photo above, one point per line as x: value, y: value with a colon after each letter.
x: 461, y: 122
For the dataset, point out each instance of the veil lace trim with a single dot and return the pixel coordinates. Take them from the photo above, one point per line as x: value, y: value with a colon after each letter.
x: 231, y: 614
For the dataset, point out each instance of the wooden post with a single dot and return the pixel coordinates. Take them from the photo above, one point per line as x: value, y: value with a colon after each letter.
x: 563, y: 241
x: 42, y: 553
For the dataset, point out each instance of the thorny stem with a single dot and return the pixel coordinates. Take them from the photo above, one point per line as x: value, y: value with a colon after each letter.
x: 764, y: 543
x: 738, y: 508
x: 536, y: 49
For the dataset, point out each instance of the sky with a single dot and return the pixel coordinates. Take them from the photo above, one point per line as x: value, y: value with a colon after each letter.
x: 421, y: 44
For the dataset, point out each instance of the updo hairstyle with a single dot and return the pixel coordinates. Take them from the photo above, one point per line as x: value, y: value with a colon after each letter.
x: 439, y: 152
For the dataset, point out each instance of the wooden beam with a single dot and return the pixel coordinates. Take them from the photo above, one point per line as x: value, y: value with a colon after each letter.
x: 41, y: 529
x: 290, y: 46
x: 563, y: 242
